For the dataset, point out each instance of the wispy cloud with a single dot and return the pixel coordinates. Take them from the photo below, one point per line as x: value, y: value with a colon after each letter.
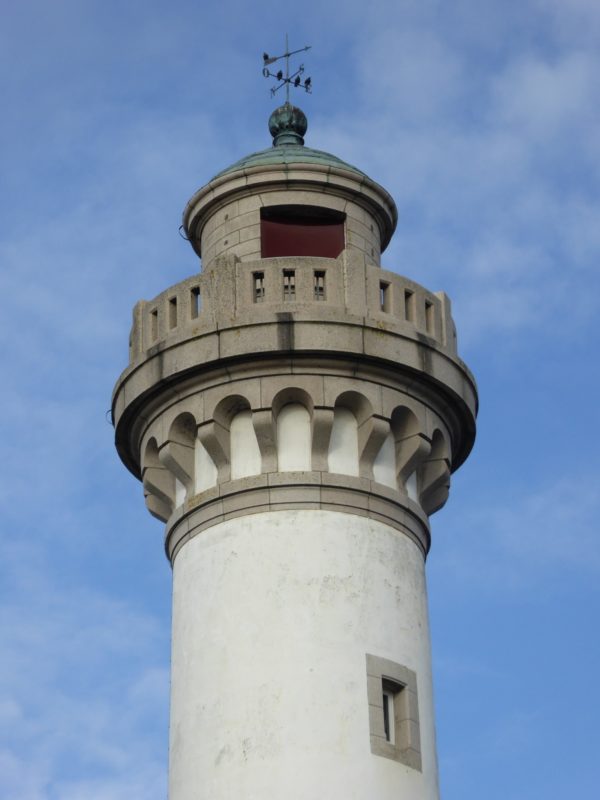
x: 521, y: 540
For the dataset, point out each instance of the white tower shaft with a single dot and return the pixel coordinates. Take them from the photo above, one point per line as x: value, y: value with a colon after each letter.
x: 273, y: 616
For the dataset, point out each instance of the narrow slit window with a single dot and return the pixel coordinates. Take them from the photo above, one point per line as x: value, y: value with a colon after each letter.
x: 319, y: 284
x: 259, y: 286
x: 388, y: 713
x: 394, y: 728
x: 429, y: 321
x: 195, y: 302
x: 409, y: 303
x: 289, y: 284
x: 173, y: 312
x: 154, y: 324
x: 384, y: 296
x: 390, y: 690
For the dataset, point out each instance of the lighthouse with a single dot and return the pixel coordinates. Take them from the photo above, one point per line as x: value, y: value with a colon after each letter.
x: 294, y: 413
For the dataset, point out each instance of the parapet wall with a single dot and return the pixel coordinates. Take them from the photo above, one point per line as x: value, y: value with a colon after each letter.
x: 236, y: 292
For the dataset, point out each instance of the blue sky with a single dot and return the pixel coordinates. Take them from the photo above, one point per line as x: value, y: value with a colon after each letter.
x: 482, y: 118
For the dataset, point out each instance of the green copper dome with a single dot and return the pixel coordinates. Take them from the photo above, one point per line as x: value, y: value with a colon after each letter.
x: 288, y: 125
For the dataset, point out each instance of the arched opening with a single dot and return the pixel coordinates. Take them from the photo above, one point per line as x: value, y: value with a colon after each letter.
x: 244, y: 451
x: 343, y: 444
x: 177, y: 454
x: 293, y: 438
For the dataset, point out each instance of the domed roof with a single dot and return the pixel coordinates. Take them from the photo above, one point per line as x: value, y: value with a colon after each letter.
x: 289, y: 154
x: 289, y: 166
x: 288, y: 125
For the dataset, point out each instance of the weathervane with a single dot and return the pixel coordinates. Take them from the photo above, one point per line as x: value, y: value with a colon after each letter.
x: 286, y: 80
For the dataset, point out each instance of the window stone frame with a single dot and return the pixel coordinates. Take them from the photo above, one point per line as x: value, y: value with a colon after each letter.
x: 406, y: 748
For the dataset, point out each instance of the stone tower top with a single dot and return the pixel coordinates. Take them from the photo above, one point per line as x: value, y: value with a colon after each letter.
x: 288, y: 180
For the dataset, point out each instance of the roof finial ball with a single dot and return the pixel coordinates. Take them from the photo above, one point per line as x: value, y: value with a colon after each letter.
x: 288, y: 125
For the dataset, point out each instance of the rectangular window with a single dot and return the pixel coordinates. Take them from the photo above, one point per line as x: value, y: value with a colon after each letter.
x: 409, y: 305
x: 173, y: 312
x: 289, y: 284
x: 319, y: 284
x: 388, y: 714
x: 258, y: 279
x: 154, y: 324
x: 394, y: 729
x: 429, y: 319
x: 389, y: 691
x: 301, y: 231
x: 384, y: 296
x: 195, y: 302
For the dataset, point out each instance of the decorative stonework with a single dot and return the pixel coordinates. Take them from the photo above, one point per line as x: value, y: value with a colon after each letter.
x: 394, y: 448
x: 401, y: 741
x: 364, y: 359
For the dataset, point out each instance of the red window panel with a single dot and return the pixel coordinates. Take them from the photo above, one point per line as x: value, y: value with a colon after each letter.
x: 286, y: 234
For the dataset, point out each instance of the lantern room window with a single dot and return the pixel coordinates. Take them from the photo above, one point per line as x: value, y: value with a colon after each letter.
x: 301, y: 231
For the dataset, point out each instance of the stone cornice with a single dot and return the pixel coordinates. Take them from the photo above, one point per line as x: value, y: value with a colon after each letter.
x: 301, y: 490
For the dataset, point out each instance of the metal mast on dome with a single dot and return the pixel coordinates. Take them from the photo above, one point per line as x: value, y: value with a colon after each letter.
x: 287, y: 80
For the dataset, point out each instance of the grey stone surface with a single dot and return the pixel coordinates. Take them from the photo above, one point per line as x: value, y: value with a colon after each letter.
x: 406, y: 747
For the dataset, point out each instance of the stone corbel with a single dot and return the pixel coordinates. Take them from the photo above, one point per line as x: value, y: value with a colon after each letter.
x: 410, y: 454
x: 157, y: 507
x: 215, y: 440
x: 371, y: 436
x: 159, y: 490
x: 322, y: 423
x: 435, y: 484
x: 266, y: 436
x: 178, y: 458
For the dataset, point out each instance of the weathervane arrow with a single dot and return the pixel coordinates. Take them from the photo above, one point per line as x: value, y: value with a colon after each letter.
x: 287, y: 80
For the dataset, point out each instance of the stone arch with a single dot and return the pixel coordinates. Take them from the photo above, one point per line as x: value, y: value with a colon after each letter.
x: 291, y: 395
x: 293, y: 411
x: 434, y: 474
x: 245, y: 455
x: 215, y: 434
x: 352, y: 411
x: 177, y: 454
x: 158, y: 483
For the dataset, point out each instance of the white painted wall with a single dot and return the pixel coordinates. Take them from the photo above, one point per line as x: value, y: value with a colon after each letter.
x: 272, y: 617
x: 293, y: 438
x: 343, y: 444
x: 244, y: 449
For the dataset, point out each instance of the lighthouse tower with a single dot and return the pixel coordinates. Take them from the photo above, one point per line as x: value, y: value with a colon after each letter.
x: 294, y: 413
